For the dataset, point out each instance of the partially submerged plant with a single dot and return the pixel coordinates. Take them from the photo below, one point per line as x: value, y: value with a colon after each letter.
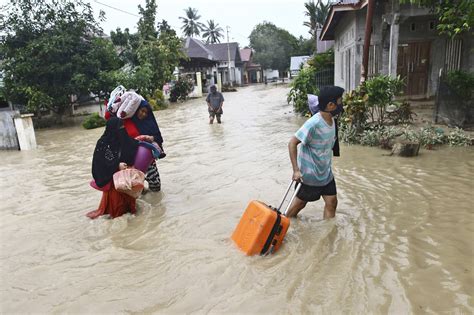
x: 458, y: 137
x: 431, y: 136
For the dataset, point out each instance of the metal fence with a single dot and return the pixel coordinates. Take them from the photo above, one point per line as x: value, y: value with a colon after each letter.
x: 324, y: 77
x: 451, y: 108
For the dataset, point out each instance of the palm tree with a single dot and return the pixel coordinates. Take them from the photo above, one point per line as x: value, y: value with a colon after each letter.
x: 317, y: 13
x: 191, y: 26
x: 213, y: 32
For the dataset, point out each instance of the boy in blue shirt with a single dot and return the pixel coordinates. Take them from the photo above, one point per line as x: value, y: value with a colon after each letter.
x: 312, y: 164
x: 215, y: 101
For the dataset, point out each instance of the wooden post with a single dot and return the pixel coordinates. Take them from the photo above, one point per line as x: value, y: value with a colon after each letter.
x: 199, y: 84
x: 368, y: 35
x: 25, y: 131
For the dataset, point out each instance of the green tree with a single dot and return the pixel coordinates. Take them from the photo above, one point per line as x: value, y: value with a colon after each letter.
x: 191, y: 26
x: 317, y: 13
x: 273, y: 46
x: 455, y: 17
x: 150, y: 56
x: 158, y: 59
x: 212, y: 32
x: 146, y: 24
x: 51, y: 52
x: 126, y: 45
x: 305, y: 47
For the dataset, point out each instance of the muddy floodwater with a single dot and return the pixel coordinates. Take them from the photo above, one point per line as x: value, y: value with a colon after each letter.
x: 402, y: 241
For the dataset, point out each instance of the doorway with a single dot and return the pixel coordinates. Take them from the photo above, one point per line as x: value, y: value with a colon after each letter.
x: 413, y: 66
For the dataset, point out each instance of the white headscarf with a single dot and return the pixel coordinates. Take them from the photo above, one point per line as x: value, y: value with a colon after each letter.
x: 313, y: 102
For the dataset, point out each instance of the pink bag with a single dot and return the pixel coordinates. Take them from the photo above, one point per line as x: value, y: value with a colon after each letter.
x: 129, y: 181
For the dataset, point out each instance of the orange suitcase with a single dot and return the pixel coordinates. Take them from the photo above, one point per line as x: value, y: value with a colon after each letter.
x: 262, y: 228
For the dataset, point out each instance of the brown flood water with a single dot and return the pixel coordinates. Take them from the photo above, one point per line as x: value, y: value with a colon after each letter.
x: 402, y: 241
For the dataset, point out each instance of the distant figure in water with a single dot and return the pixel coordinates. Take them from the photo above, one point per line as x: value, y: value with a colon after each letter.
x: 312, y: 164
x: 215, y: 101
x: 113, y: 152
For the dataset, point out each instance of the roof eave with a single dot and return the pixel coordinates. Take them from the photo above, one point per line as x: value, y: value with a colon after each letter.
x: 338, y: 8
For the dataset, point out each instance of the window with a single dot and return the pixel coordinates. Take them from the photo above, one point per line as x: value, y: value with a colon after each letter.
x: 452, y: 59
x: 412, y: 27
x: 432, y: 25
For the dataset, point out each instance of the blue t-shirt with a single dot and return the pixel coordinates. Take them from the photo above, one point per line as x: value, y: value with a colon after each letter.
x: 315, y: 153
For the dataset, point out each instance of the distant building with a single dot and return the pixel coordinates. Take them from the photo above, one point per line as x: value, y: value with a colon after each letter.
x: 296, y: 63
x: 225, y: 53
x: 211, y: 60
x: 251, y: 72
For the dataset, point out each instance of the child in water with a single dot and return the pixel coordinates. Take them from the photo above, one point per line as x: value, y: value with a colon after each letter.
x: 149, y: 131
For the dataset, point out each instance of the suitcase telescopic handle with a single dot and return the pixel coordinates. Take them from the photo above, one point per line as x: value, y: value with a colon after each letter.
x: 292, y: 197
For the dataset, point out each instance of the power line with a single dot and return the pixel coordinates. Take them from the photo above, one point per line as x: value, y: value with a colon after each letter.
x: 114, y: 8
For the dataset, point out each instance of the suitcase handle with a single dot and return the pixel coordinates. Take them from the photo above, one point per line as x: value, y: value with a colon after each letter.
x: 292, y: 197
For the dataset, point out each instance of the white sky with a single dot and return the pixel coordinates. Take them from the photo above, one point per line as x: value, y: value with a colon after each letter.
x: 241, y: 15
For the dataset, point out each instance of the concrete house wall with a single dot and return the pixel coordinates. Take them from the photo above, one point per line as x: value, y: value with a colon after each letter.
x: 415, y: 25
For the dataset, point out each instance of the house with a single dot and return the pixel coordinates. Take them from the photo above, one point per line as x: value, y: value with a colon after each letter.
x: 296, y: 62
x: 251, y: 72
x: 212, y: 60
x: 200, y: 59
x: 404, y: 42
x: 229, y: 62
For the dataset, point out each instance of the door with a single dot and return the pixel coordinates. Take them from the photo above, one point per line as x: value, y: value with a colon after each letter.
x: 413, y: 65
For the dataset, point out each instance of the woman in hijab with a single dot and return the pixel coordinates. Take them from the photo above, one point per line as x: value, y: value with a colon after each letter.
x: 147, y: 126
x: 114, y: 150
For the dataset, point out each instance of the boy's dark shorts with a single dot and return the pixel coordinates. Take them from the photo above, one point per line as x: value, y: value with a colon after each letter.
x: 312, y: 193
x: 213, y: 113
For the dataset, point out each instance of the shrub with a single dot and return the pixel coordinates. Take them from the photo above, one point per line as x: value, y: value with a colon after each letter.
x: 378, y: 136
x: 458, y: 137
x: 370, y: 137
x: 431, y: 136
x: 302, y: 85
x: 157, y: 100
x: 402, y: 113
x: 93, y: 121
x: 348, y: 134
x: 381, y: 91
x: 181, y: 89
x: 227, y: 88
x: 461, y: 83
x: 323, y: 60
x: 355, y: 109
x: 410, y: 134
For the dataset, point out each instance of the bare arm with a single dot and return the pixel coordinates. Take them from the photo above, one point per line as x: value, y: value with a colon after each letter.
x: 293, y: 150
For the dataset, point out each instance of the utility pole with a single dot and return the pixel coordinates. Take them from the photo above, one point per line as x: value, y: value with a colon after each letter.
x: 368, y: 35
x: 228, y: 55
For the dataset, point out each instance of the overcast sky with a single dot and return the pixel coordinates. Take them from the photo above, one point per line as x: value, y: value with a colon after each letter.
x: 240, y: 15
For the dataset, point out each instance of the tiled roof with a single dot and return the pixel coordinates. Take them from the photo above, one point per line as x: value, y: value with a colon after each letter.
x: 245, y: 54
x: 194, y: 48
x: 220, y: 51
